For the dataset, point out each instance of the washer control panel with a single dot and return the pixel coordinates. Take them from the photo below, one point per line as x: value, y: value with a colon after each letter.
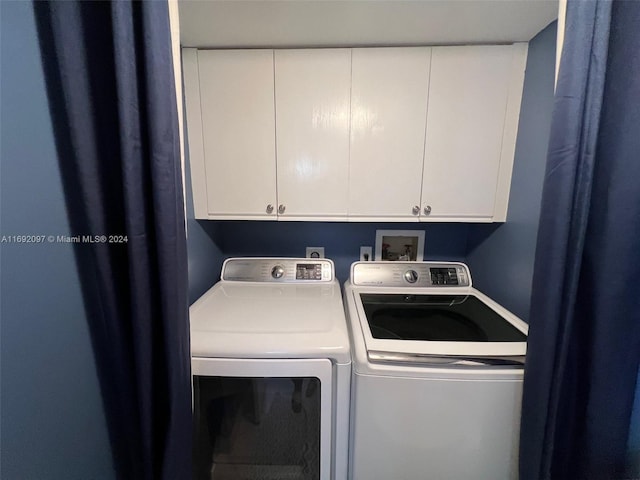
x: 278, y: 270
x: 411, y: 274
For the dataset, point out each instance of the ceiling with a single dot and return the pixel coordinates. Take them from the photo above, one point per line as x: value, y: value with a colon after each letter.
x: 329, y: 23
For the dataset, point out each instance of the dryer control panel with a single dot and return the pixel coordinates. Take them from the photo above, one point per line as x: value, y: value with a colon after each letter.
x: 278, y: 270
x: 411, y: 274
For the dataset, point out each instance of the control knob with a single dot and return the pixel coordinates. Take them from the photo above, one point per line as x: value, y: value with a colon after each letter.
x: 277, y: 271
x: 411, y: 276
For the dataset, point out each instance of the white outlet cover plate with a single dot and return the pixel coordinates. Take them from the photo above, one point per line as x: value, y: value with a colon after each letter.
x: 312, y: 250
x: 366, y: 250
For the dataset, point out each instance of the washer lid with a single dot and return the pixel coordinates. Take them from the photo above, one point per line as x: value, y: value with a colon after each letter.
x: 428, y: 325
x: 436, y: 318
x: 266, y: 320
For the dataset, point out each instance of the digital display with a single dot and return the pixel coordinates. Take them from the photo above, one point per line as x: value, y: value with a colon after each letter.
x: 308, y: 271
x: 443, y: 276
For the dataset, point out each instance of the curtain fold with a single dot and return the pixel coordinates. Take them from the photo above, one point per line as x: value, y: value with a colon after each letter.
x: 111, y: 91
x: 584, y: 338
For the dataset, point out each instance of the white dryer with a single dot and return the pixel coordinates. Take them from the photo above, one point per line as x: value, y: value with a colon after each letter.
x: 271, y: 371
x: 437, y: 375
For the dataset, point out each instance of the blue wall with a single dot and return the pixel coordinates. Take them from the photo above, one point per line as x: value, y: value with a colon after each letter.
x: 204, y: 256
x: 52, y: 423
x: 501, y: 257
x: 342, y: 241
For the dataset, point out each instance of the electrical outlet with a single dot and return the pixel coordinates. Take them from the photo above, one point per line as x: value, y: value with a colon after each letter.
x: 365, y: 254
x: 315, y: 252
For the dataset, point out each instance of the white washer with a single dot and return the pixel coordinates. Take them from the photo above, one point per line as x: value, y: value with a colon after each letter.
x: 437, y: 375
x: 271, y: 368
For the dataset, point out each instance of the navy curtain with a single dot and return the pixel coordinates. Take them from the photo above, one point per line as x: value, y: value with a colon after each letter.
x: 584, y: 342
x: 109, y: 73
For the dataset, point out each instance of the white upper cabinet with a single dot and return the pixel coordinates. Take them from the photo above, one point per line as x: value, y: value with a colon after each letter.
x: 312, y: 92
x: 474, y: 102
x: 364, y: 134
x: 238, y: 133
x: 388, y: 114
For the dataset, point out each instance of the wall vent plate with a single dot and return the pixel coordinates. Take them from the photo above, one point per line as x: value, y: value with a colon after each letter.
x: 315, y: 252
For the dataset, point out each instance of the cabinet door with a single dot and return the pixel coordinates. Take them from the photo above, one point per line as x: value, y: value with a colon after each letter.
x: 388, y: 115
x: 468, y: 95
x: 312, y: 118
x: 238, y: 126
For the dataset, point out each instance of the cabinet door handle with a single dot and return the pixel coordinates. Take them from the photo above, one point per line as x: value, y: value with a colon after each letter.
x: 416, y: 210
x: 269, y: 209
x: 281, y: 208
x: 427, y: 210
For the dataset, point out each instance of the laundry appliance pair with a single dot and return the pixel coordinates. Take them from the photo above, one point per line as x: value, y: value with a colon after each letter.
x: 416, y: 375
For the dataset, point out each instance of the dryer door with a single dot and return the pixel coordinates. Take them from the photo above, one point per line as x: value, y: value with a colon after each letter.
x: 262, y: 419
